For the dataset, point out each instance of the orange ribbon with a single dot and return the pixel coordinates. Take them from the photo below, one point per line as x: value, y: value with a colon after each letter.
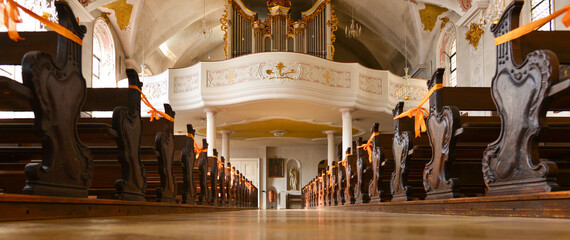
x: 420, y: 112
x: 343, y: 162
x: 9, y: 17
x: 368, y: 145
x: 154, y: 114
x: 220, y: 163
x: 197, y: 149
x: 527, y: 28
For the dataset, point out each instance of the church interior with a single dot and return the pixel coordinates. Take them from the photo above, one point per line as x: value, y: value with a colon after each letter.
x: 261, y: 119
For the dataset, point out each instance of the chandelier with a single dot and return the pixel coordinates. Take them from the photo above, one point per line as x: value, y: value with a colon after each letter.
x: 204, y: 32
x: 354, y: 29
x: 404, y: 92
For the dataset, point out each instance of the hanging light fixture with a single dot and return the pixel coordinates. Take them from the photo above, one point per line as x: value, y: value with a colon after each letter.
x: 204, y: 32
x: 353, y: 30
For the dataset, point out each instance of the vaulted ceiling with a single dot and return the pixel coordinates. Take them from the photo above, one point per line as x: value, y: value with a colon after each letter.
x: 393, y: 32
x: 143, y: 25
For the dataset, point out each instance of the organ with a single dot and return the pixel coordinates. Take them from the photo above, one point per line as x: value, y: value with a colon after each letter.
x: 313, y: 34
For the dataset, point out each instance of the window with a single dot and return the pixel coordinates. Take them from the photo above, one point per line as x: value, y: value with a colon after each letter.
x: 44, y: 8
x: 453, y: 64
x: 541, y: 9
x: 103, y: 68
x: 103, y: 56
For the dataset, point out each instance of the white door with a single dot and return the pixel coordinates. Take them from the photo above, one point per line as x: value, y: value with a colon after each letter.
x: 249, y: 167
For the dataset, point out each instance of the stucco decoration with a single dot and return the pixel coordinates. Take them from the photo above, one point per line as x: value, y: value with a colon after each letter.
x: 370, y: 84
x: 429, y: 15
x: 464, y: 4
x: 86, y: 2
x: 280, y: 71
x: 122, y: 11
x: 474, y: 34
x: 188, y: 83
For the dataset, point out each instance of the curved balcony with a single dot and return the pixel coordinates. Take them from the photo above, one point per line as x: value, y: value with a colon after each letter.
x: 266, y: 81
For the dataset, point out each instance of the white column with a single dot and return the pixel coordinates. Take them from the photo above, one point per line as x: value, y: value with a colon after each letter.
x: 331, y: 146
x: 226, y: 144
x: 210, y: 130
x: 346, y: 129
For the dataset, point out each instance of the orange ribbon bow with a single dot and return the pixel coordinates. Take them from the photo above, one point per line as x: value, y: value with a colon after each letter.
x: 154, y: 114
x: 527, y: 28
x: 343, y: 162
x: 420, y: 112
x: 368, y: 146
x: 197, y: 149
x: 10, y: 16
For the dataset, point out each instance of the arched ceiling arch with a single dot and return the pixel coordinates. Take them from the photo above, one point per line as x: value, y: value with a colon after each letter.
x: 387, y: 25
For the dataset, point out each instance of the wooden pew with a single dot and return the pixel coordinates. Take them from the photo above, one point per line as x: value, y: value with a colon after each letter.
x: 213, y: 169
x: 351, y: 175
x: 67, y: 166
x: 369, y: 169
x: 128, y: 125
x: 188, y: 158
x: 402, y: 147
x: 528, y: 82
x: 165, y: 154
x: 334, y: 184
x: 449, y: 168
x: 203, y: 196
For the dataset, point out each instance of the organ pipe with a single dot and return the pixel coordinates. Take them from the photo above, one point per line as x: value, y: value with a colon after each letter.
x: 310, y: 34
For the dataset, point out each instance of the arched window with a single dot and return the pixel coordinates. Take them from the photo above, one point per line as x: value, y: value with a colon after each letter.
x: 103, y: 56
x: 45, y: 8
x: 453, y: 64
x: 541, y: 9
x: 446, y: 55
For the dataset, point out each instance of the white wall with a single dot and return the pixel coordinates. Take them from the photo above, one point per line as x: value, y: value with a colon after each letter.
x: 308, y: 156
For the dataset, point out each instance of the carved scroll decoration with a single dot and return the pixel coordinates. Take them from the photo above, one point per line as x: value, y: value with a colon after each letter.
x: 401, y: 146
x: 213, y: 163
x: 442, y: 123
x: 375, y: 185
x: 511, y: 164
x: 67, y: 165
x: 203, y: 174
x: 363, y: 176
x: 128, y: 124
x: 351, y: 178
x: 164, y: 141
x: 188, y: 158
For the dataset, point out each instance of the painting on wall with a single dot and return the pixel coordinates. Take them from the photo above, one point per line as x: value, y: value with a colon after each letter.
x: 275, y: 167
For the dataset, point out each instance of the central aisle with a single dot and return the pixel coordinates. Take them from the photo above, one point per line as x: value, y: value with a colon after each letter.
x: 290, y: 224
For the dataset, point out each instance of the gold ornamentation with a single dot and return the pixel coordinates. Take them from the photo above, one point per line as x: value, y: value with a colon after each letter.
x: 105, y: 16
x: 241, y: 12
x: 258, y: 27
x: 123, y: 12
x: 280, y: 75
x: 320, y: 8
x: 333, y: 24
x: 224, y: 26
x: 429, y: 15
x: 474, y: 34
x: 444, y: 21
x: 285, y: 3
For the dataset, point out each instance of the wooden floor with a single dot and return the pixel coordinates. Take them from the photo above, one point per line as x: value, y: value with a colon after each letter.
x: 290, y: 224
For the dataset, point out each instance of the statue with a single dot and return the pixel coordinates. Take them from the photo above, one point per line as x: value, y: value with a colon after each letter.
x: 293, y: 179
